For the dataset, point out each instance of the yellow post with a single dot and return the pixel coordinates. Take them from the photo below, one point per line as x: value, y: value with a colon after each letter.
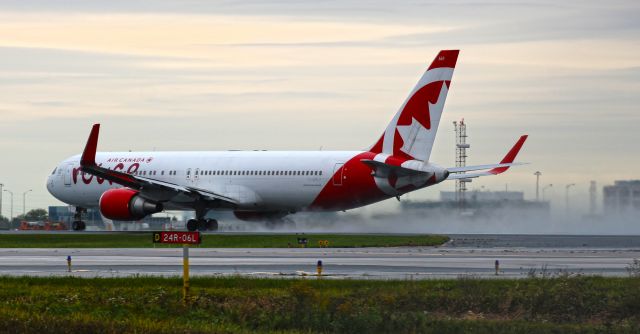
x: 185, y: 273
x: 319, y: 268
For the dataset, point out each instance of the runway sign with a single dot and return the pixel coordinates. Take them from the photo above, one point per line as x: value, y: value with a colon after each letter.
x: 175, y: 237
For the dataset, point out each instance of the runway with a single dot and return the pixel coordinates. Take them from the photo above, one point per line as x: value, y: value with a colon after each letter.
x: 463, y: 256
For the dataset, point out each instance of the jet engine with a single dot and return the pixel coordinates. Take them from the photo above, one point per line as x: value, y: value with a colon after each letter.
x: 126, y: 204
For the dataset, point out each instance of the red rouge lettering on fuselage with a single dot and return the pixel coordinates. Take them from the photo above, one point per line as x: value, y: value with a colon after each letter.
x: 87, y: 178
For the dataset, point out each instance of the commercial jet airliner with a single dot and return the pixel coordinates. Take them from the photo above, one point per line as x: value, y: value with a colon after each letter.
x: 269, y: 185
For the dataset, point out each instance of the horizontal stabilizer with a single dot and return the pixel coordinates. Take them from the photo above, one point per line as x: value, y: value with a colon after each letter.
x: 482, y: 167
x: 494, y: 169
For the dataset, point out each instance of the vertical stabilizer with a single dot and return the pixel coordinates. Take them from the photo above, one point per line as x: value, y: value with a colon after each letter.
x: 412, y: 131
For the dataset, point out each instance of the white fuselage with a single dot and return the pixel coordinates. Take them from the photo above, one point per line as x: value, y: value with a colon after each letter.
x: 258, y: 180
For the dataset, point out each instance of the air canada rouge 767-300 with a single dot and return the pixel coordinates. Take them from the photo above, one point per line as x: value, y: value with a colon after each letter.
x: 269, y: 185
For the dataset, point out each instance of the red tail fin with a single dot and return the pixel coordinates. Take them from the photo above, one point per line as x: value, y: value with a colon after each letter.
x: 412, y: 131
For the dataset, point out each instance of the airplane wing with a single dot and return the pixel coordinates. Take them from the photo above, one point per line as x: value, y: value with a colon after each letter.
x: 149, y: 188
x: 495, y: 169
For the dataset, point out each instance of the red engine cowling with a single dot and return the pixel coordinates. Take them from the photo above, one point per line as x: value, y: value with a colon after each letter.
x: 126, y: 204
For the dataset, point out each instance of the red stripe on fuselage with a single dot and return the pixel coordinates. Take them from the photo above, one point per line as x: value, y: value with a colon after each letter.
x: 358, y: 187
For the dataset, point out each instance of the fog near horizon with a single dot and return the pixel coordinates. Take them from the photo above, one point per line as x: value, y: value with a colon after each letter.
x: 204, y: 75
x: 453, y: 222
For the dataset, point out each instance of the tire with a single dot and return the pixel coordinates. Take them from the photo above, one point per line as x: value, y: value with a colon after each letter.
x: 202, y: 225
x: 78, y: 225
x: 192, y: 225
x: 212, y: 225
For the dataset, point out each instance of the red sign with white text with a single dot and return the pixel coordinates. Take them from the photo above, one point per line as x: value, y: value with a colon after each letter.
x: 176, y: 237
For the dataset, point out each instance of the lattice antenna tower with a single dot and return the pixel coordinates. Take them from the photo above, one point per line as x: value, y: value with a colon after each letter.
x: 461, y: 158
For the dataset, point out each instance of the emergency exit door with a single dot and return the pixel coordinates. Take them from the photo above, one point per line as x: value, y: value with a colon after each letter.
x: 338, y: 174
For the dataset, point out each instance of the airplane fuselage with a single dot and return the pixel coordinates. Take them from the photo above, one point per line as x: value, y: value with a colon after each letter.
x: 262, y: 181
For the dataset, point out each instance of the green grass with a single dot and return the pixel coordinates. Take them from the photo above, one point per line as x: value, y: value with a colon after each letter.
x: 244, y: 305
x: 144, y: 240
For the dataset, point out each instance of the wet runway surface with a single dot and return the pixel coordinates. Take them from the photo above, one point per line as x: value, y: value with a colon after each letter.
x: 465, y: 255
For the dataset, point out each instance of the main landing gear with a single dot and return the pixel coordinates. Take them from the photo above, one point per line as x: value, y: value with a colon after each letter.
x: 78, y: 224
x: 202, y: 225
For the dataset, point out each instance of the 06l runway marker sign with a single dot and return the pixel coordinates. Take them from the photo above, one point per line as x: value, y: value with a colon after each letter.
x: 175, y: 237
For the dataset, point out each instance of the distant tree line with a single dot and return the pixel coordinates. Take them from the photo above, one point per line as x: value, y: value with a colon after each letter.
x: 32, y: 215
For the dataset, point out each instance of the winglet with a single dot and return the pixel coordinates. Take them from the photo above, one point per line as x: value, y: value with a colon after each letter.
x: 89, y: 153
x: 511, y: 155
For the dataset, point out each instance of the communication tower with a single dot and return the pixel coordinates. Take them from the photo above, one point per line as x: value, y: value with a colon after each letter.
x: 461, y: 159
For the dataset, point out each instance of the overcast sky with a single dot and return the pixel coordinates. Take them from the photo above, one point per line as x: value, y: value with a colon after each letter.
x: 292, y: 75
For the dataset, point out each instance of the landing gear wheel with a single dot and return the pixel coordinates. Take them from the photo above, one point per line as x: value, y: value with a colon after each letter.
x: 192, y: 225
x: 202, y: 224
x: 212, y: 225
x: 78, y: 225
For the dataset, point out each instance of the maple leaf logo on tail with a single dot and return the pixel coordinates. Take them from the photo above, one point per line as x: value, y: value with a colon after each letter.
x: 412, y: 131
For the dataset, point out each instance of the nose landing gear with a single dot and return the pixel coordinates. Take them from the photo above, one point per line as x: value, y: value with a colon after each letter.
x: 78, y: 224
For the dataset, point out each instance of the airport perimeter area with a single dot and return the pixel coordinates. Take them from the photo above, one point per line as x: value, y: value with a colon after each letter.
x: 563, y: 284
x: 278, y: 255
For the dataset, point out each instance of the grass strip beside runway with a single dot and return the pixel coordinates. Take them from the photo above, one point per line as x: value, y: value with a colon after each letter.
x: 244, y: 305
x: 144, y: 240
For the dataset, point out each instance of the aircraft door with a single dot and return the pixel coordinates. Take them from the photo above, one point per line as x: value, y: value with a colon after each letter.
x: 338, y: 174
x: 67, y: 175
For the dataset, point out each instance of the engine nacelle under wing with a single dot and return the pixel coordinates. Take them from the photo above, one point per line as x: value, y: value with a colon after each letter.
x: 126, y: 204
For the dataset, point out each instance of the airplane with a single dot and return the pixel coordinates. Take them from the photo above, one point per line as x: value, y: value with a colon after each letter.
x: 267, y: 186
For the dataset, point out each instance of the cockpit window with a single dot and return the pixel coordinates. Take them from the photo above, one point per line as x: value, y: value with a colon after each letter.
x: 54, y: 170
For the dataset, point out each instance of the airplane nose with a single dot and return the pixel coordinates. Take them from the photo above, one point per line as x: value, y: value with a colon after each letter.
x: 50, y: 184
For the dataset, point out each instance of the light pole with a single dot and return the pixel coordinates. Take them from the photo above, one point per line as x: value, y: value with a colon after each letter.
x: 10, y: 218
x: 24, y: 202
x: 1, y: 185
x: 567, y: 196
x: 545, y: 188
x: 537, y: 174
